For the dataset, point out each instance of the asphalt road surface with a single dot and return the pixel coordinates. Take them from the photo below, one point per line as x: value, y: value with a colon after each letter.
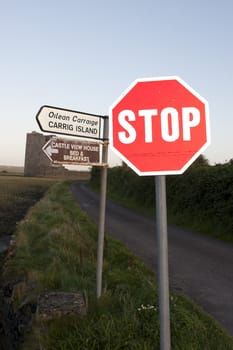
x: 199, y: 266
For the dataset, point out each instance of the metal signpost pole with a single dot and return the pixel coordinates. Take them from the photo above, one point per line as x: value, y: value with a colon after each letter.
x: 100, y: 248
x: 103, y: 193
x: 162, y: 248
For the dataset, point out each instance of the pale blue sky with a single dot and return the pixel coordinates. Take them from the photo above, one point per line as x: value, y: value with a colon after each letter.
x: 82, y: 55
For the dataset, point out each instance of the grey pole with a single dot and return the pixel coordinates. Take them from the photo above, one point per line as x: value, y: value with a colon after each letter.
x: 100, y: 247
x: 162, y: 247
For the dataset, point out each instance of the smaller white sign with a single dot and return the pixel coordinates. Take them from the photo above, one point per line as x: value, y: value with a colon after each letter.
x: 67, y: 122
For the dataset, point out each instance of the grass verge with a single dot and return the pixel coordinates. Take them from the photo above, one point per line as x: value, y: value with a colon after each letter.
x: 56, y: 251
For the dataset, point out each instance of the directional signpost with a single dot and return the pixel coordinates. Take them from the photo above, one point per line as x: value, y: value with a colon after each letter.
x: 57, y: 120
x: 159, y: 126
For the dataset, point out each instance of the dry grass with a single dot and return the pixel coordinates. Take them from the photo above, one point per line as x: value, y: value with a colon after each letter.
x: 11, y: 170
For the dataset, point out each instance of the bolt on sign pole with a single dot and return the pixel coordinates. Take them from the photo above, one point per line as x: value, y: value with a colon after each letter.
x: 163, y: 279
x: 103, y: 192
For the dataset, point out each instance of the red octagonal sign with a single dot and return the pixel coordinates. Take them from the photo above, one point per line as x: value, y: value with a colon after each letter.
x: 159, y: 126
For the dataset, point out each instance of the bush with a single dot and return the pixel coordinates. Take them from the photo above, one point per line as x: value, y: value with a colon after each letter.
x: 200, y: 199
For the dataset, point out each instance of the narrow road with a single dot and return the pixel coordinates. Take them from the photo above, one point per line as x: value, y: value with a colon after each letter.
x: 199, y: 266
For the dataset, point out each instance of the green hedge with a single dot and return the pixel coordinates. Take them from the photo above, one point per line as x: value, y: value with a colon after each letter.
x: 201, y: 198
x: 204, y: 195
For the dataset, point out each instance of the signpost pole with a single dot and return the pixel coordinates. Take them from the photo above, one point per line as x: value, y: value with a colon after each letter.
x: 162, y: 248
x: 100, y: 247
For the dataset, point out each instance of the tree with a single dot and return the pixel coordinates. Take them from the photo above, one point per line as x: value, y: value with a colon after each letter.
x: 201, y: 161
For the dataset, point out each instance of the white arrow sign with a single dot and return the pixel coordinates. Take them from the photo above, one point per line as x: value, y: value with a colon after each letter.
x: 48, y: 150
x: 67, y: 122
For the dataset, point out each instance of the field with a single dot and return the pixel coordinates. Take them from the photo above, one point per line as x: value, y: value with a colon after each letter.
x: 11, y: 170
x: 17, y: 194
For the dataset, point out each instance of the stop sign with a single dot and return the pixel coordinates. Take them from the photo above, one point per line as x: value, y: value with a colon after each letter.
x: 159, y: 126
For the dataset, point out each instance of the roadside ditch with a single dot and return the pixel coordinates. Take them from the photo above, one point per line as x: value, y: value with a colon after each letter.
x: 16, y: 320
x: 9, y: 321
